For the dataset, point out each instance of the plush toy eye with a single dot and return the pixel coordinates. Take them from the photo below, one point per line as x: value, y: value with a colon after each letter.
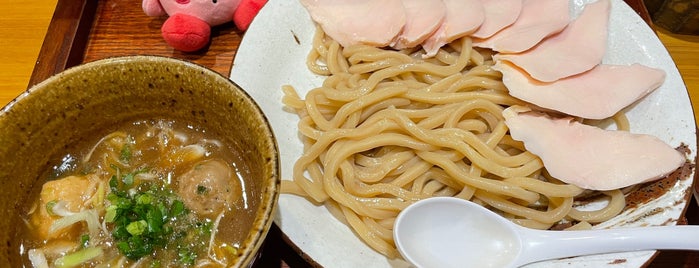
x: 214, y: 1
x: 183, y: 2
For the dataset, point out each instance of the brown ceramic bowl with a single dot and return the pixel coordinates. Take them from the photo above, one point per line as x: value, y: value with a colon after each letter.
x: 66, y: 108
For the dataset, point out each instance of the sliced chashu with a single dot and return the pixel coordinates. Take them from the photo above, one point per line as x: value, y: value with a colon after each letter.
x: 588, y: 156
x: 423, y: 18
x: 498, y: 15
x: 463, y: 18
x: 576, y: 49
x: 537, y: 20
x: 352, y: 22
x: 595, y: 94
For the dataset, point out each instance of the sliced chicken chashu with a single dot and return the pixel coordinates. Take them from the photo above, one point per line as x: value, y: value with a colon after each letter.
x: 595, y: 94
x: 463, y: 18
x: 423, y: 18
x: 591, y: 157
x: 576, y: 49
x: 537, y: 20
x: 351, y: 22
x: 498, y: 15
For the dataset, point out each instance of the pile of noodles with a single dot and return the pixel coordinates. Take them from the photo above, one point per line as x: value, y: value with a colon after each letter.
x: 388, y: 128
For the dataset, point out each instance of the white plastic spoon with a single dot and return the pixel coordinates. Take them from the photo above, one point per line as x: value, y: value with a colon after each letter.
x: 451, y: 232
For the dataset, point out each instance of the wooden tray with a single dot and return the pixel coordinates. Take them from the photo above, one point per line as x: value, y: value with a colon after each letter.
x: 87, y: 30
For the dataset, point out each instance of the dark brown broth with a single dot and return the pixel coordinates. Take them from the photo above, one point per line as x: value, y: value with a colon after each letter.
x: 234, y: 225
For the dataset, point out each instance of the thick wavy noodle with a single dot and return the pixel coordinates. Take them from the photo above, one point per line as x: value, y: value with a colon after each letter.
x: 388, y: 128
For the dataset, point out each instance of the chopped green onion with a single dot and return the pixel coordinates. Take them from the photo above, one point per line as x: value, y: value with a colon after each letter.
x: 145, y: 216
x: 155, y: 220
x: 120, y: 232
x: 136, y: 227
x: 125, y: 155
x: 111, y: 213
x: 187, y: 257
x: 113, y: 183
x: 143, y: 199
x: 232, y: 250
x: 84, y: 240
x: 49, y: 207
x: 128, y: 179
x: 79, y: 257
x: 177, y: 208
x: 201, y: 190
x: 204, y: 228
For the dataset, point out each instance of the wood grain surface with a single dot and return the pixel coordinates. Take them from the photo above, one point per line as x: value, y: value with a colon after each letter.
x: 22, y: 32
x: 70, y: 32
x: 121, y: 28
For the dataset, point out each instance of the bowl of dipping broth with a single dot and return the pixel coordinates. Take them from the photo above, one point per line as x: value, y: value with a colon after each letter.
x: 136, y: 160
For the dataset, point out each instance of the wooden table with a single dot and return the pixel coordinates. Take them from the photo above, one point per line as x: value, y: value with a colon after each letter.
x: 22, y: 31
x: 42, y: 37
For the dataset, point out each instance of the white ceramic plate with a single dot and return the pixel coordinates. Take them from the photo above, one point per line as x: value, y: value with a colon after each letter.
x: 273, y: 53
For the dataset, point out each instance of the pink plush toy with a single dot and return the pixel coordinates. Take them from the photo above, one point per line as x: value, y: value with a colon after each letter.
x: 189, y: 26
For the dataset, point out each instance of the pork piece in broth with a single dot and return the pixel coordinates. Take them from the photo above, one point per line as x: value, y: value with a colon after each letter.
x: 209, y: 187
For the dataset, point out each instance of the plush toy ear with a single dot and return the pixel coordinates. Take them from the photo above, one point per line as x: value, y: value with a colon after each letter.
x: 153, y: 8
x: 246, y: 12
